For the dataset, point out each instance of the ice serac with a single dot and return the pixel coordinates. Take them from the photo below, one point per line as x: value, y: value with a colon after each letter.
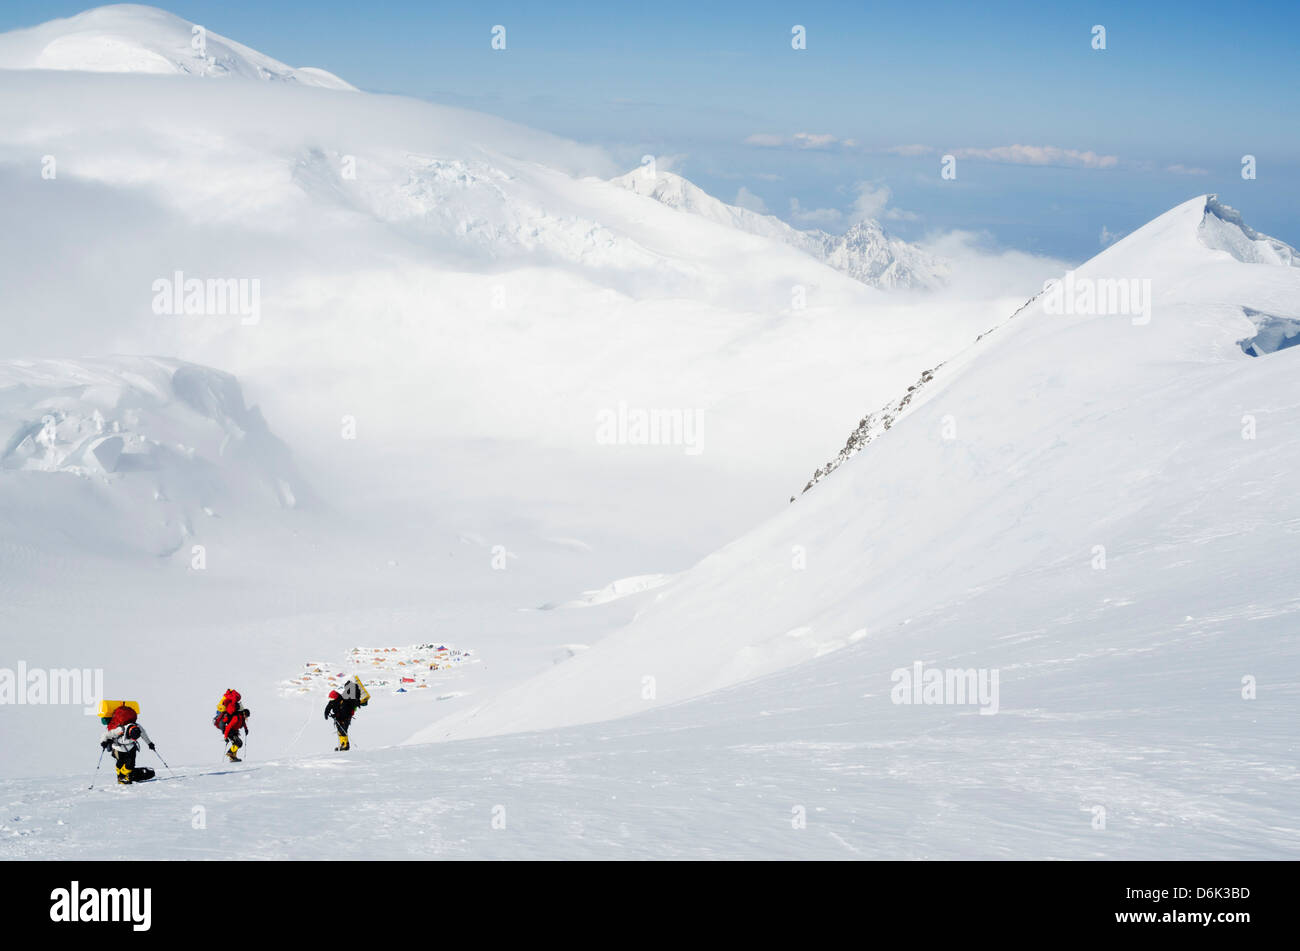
x: 132, y: 38
x: 133, y: 452
x: 1271, y: 333
x: 865, y: 252
x: 1104, y: 479
x: 1223, y: 229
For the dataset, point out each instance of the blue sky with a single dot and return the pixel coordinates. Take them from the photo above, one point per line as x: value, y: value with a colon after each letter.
x: 862, y: 116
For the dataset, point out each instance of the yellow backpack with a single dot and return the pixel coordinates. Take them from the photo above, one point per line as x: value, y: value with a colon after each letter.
x: 107, y: 707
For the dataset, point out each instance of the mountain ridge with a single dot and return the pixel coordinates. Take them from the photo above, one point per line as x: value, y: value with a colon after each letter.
x: 866, y: 252
x: 135, y: 38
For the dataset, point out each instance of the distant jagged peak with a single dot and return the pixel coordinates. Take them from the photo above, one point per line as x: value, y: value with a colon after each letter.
x: 132, y: 38
x: 865, y: 252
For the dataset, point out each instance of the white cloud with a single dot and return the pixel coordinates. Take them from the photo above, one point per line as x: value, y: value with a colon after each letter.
x: 747, y: 199
x: 1180, y: 169
x: 800, y: 140
x: 816, y: 217
x: 982, y: 271
x: 820, y: 140
x: 1039, y: 155
x: 670, y: 163
x: 1108, y: 237
x: 873, y: 202
x: 907, y: 149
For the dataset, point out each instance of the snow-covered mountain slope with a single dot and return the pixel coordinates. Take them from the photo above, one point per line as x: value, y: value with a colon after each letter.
x: 865, y: 251
x: 131, y: 38
x: 132, y: 454
x: 1128, y: 468
x: 460, y: 326
x: 408, y: 252
x: 878, y: 422
x: 732, y: 774
x: 1221, y: 229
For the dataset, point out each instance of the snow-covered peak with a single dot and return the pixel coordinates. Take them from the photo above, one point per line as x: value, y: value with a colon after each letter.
x: 1223, y: 229
x: 1215, y: 225
x: 677, y: 192
x: 869, y: 254
x: 865, y: 252
x: 1185, y: 232
x: 132, y: 38
x: 669, y: 188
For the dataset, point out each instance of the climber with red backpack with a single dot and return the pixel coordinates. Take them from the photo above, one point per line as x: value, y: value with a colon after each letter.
x: 124, y: 736
x: 232, y: 716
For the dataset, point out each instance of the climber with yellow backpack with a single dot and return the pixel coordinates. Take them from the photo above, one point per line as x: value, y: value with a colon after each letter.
x: 343, y: 704
x: 124, y: 736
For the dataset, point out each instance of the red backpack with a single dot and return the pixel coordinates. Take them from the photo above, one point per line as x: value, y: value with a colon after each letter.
x: 227, y: 710
x: 121, y: 717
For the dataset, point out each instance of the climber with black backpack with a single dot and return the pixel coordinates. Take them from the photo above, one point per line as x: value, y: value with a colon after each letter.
x: 343, y: 703
x: 232, y: 716
x: 124, y: 736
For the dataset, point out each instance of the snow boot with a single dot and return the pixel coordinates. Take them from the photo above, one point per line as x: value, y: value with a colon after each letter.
x: 343, y: 744
x: 124, y: 775
x: 232, y: 754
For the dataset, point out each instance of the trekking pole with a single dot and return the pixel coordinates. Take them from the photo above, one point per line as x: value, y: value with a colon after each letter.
x: 164, y: 762
x: 97, y: 765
